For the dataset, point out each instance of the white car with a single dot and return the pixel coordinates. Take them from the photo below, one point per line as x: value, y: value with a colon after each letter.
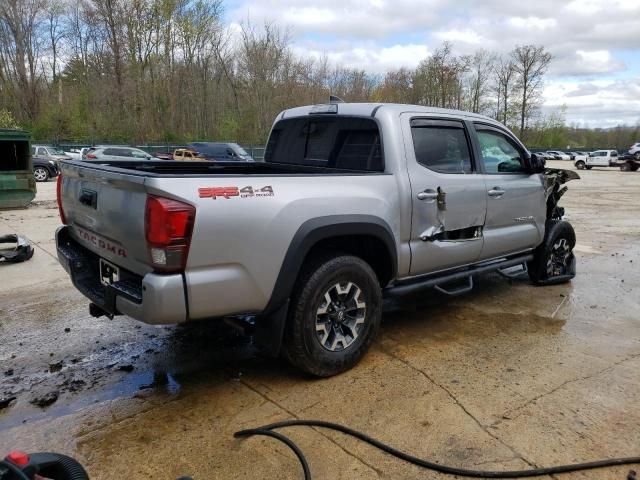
x: 559, y: 155
x: 635, y: 150
x: 599, y: 158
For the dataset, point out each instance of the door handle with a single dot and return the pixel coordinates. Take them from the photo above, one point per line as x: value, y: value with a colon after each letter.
x: 496, y: 192
x: 427, y: 195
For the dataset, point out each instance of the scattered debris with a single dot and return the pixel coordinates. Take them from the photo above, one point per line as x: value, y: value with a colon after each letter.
x: 23, y: 251
x: 9, y: 372
x: 67, y: 330
x: 46, y: 399
x: 126, y: 368
x: 55, y: 367
x: 6, y: 401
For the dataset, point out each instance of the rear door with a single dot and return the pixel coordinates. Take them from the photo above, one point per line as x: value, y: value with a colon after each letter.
x: 448, y: 196
x: 516, y: 209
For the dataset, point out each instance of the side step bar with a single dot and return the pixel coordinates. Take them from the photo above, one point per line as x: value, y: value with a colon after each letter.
x: 439, y: 282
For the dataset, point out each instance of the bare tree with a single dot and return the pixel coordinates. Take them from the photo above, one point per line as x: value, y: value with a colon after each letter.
x: 530, y: 63
x: 480, y: 68
x: 504, y: 85
x: 21, y: 42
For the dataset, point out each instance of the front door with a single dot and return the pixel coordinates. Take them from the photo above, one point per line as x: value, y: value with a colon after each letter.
x: 516, y: 208
x: 448, y: 195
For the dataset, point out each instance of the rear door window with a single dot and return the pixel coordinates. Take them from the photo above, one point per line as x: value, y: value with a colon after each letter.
x: 350, y: 143
x: 441, y: 145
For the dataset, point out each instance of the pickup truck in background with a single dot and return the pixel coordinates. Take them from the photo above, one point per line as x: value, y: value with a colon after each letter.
x: 352, y: 203
x: 598, y: 158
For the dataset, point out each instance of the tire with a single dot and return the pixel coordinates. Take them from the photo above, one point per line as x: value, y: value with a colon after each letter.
x: 625, y: 167
x: 325, y: 338
x: 580, y: 165
x: 637, y: 155
x: 41, y: 174
x: 589, y: 167
x: 553, y: 261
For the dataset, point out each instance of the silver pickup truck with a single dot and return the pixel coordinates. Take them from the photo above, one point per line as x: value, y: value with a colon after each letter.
x: 353, y: 203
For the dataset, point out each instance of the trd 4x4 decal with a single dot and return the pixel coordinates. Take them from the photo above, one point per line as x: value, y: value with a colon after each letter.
x: 228, y: 192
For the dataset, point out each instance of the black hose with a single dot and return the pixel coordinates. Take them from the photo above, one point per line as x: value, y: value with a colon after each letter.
x: 463, y: 472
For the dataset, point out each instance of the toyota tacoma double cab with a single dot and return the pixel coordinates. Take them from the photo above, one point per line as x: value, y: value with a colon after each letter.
x: 353, y: 203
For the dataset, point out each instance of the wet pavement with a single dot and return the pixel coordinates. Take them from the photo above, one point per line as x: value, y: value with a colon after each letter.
x: 509, y: 376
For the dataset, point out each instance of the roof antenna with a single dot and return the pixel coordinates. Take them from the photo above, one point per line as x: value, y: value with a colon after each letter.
x: 335, y: 99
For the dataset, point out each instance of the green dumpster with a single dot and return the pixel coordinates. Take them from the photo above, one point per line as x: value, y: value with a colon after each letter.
x: 17, y: 185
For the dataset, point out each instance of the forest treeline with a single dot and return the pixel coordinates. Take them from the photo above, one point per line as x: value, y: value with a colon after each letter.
x: 139, y: 71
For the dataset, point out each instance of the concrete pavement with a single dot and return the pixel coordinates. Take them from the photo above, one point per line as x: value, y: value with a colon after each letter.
x: 509, y: 376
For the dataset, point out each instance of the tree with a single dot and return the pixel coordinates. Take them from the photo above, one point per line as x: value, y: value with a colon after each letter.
x: 481, y: 65
x: 504, y: 79
x: 530, y: 63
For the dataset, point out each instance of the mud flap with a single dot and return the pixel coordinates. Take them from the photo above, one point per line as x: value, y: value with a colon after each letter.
x: 269, y: 331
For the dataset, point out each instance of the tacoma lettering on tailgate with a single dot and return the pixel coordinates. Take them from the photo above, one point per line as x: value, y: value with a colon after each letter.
x: 100, y: 242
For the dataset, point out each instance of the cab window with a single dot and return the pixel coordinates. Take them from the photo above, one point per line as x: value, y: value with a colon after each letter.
x: 500, y: 154
x: 441, y: 146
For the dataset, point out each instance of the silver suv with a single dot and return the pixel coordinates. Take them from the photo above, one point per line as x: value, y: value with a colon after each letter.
x: 635, y: 150
x: 117, y: 153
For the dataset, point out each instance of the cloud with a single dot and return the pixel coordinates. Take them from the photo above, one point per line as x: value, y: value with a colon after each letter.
x: 370, y: 58
x: 597, y: 103
x: 590, y: 40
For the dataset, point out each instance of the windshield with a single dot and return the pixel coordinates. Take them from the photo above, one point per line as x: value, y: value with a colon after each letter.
x: 241, y: 151
x: 56, y: 151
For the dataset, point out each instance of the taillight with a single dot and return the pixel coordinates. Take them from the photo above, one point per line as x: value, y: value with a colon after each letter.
x: 168, y: 227
x: 59, y: 199
x: 91, y: 155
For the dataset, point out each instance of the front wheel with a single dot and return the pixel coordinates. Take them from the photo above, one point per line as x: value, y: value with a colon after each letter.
x: 553, y: 261
x: 589, y: 167
x: 40, y: 174
x: 335, y: 315
x: 580, y: 165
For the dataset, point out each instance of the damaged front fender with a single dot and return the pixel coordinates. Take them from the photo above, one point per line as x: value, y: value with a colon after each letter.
x: 554, y: 179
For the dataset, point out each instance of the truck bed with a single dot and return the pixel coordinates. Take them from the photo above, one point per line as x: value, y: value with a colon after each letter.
x: 170, y: 168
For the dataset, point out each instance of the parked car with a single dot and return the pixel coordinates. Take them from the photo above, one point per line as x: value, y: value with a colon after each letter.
x: 372, y: 200
x: 44, y: 169
x: 48, y: 152
x: 221, y: 152
x: 558, y: 155
x: 180, y: 154
x: 635, y: 150
x: 105, y: 154
x: 74, y: 154
x: 599, y: 158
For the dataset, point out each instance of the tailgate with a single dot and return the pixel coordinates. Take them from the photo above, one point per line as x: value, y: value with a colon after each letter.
x: 106, y: 212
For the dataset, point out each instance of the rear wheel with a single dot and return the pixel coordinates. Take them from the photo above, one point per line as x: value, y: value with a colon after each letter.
x: 335, y: 315
x: 580, y: 165
x: 554, y: 261
x: 625, y: 167
x: 40, y: 174
x: 589, y: 167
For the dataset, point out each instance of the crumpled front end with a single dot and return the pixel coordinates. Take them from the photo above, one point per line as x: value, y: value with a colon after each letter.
x: 554, y: 180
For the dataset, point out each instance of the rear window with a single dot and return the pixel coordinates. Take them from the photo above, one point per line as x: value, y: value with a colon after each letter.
x: 350, y: 143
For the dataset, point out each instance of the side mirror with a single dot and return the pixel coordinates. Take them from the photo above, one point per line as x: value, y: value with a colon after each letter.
x: 536, y: 163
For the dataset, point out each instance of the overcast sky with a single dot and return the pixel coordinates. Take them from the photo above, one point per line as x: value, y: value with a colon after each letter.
x: 596, y: 43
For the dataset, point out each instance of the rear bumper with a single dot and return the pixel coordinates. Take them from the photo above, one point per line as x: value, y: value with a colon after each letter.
x: 153, y: 298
